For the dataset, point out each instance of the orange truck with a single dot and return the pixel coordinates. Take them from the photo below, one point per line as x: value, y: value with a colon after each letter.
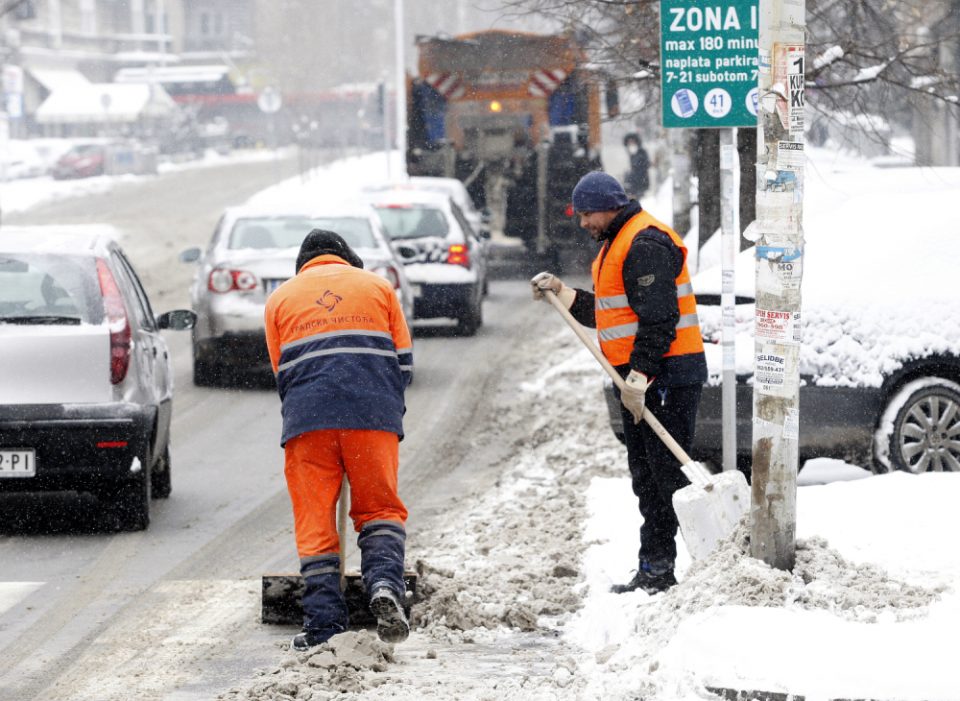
x: 511, y: 114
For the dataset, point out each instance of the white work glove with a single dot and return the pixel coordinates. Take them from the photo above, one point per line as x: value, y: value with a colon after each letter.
x: 634, y: 394
x: 548, y: 281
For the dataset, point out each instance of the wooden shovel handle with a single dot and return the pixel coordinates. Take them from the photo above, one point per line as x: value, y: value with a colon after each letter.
x: 342, y: 510
x: 678, y: 452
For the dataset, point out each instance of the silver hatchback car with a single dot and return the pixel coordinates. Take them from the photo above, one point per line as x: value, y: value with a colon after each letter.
x: 253, y: 251
x: 86, y: 381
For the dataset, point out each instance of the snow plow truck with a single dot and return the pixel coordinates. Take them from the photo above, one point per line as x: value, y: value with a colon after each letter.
x: 516, y: 117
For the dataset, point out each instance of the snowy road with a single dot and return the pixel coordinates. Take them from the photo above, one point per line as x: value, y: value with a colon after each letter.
x: 171, y: 613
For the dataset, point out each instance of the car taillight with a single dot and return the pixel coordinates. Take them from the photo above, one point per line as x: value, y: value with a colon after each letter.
x: 390, y: 273
x: 223, y: 280
x: 458, y: 255
x: 568, y: 212
x: 117, y: 322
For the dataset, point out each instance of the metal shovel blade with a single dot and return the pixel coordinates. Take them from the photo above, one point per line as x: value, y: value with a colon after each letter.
x: 709, y: 512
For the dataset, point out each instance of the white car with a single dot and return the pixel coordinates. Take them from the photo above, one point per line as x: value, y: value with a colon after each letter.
x: 442, y: 255
x: 253, y: 251
x: 86, y: 381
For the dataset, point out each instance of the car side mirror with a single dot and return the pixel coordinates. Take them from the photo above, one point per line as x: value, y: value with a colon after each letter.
x: 191, y: 255
x: 177, y: 320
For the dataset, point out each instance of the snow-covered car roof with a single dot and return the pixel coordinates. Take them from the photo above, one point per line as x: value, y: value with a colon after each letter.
x: 302, y: 208
x: 878, y: 285
x: 407, y: 195
x: 74, y: 239
x: 871, y: 234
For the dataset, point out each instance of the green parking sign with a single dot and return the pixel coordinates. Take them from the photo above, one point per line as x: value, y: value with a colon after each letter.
x: 708, y: 63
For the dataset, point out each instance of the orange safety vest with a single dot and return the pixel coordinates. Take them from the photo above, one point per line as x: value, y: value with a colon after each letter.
x: 617, y: 323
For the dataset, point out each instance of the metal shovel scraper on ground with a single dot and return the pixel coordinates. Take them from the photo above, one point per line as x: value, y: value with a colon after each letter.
x: 281, y: 594
x: 711, y: 507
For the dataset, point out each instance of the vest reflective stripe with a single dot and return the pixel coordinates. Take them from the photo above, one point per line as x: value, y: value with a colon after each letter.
x: 617, y: 323
x: 624, y: 331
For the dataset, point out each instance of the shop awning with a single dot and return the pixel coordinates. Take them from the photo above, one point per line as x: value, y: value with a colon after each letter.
x: 56, y: 78
x: 105, y: 103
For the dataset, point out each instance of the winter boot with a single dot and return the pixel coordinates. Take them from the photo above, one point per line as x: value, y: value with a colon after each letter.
x: 652, y: 578
x: 381, y: 562
x: 392, y: 625
x: 324, y: 608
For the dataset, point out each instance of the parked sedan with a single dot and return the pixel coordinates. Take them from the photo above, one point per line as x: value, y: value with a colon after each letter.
x: 880, y: 355
x: 86, y: 383
x: 442, y: 255
x: 81, y: 161
x: 253, y: 251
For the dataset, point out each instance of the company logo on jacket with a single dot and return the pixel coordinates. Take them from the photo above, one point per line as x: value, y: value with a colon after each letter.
x: 329, y: 300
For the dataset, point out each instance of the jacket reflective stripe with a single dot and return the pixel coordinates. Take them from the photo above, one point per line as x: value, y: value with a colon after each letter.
x: 688, y: 320
x: 684, y: 289
x: 335, y: 334
x: 334, y: 351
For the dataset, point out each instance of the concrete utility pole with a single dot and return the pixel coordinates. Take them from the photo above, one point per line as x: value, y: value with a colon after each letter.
x: 779, y: 250
x: 401, y: 99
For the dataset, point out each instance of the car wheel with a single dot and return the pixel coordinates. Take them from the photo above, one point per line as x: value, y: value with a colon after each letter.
x: 925, y: 434
x: 160, y: 482
x: 131, y: 502
x: 472, y: 319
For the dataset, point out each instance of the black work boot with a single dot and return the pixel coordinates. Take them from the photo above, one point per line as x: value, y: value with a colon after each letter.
x: 307, y: 639
x: 392, y: 625
x: 652, y: 580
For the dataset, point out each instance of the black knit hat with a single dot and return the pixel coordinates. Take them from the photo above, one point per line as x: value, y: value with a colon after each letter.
x: 599, y: 192
x: 320, y: 242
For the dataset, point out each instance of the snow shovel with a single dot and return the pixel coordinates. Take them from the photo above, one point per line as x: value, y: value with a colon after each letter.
x: 280, y: 595
x: 710, y: 508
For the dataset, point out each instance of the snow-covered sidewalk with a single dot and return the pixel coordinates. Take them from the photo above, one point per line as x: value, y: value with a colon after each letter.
x: 869, y: 611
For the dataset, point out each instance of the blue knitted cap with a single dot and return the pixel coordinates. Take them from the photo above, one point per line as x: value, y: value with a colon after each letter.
x: 598, y: 192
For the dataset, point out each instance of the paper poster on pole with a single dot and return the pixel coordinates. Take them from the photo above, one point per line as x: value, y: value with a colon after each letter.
x: 788, y: 74
x: 790, y: 155
x: 777, y: 326
x: 774, y: 373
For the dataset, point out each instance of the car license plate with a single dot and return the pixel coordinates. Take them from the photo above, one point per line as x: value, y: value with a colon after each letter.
x: 270, y: 284
x: 416, y: 290
x: 18, y: 463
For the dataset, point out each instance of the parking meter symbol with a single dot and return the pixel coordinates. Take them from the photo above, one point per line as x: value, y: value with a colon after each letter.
x: 684, y: 103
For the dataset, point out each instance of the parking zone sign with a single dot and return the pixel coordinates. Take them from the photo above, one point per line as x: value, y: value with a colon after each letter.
x: 708, y: 63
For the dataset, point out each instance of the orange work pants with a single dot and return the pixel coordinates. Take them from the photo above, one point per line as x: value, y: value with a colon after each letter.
x: 315, y: 464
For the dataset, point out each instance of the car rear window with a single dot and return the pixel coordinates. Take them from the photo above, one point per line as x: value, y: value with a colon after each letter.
x: 289, y: 232
x: 49, y: 289
x: 413, y: 222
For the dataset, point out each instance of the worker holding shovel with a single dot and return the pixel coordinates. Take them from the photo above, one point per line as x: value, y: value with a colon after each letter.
x: 646, y: 319
x: 341, y: 351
